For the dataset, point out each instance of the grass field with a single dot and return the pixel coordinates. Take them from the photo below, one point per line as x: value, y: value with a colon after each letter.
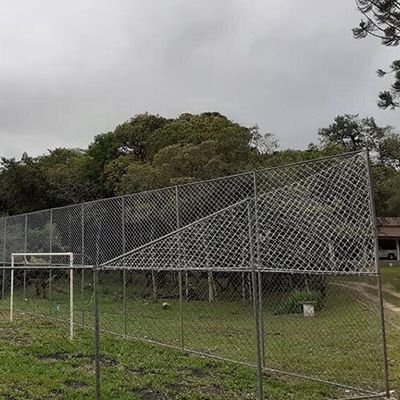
x: 340, y: 344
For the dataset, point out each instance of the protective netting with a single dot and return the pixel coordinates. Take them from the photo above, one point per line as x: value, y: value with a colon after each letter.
x: 273, y: 269
x: 312, y: 216
x: 304, y: 217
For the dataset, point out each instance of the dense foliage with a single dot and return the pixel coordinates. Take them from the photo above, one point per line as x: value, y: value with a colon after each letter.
x: 150, y: 151
x: 381, y: 19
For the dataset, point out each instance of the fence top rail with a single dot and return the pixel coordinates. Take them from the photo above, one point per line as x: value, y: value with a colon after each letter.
x: 338, y: 156
x: 47, y: 266
x: 69, y: 254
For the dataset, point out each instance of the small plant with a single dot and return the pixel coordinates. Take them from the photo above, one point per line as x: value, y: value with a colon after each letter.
x: 292, y: 303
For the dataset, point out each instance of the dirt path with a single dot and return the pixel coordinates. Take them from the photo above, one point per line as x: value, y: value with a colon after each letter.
x: 392, y: 307
x: 363, y: 288
x: 390, y: 290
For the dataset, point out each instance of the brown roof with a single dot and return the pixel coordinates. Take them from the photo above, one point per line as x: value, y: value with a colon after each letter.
x: 388, y: 227
x: 388, y: 221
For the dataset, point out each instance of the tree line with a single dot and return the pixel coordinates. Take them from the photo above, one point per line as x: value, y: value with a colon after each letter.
x: 151, y: 151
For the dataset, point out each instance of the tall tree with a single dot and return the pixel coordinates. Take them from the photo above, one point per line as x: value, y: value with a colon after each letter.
x: 382, y: 20
x: 22, y: 186
x: 350, y: 133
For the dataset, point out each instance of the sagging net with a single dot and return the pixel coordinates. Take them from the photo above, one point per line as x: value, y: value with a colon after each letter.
x: 310, y: 217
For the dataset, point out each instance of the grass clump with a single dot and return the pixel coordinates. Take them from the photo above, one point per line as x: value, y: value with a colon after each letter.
x: 292, y: 303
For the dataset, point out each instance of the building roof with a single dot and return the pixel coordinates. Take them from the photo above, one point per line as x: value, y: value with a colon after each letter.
x: 388, y: 227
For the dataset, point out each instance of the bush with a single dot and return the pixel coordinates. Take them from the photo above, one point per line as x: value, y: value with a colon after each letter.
x: 292, y: 303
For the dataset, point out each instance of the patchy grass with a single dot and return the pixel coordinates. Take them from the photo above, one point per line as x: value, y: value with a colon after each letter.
x: 391, y: 281
x: 340, y: 344
x: 48, y: 366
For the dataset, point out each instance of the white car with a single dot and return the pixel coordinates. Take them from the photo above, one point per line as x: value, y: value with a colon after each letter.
x: 387, y: 254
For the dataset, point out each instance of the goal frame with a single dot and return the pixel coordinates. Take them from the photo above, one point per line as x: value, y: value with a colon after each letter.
x: 69, y: 266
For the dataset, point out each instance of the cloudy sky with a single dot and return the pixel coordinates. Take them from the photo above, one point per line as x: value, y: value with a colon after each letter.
x: 70, y: 70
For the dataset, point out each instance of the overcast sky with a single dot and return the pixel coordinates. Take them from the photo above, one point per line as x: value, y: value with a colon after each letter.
x: 71, y: 70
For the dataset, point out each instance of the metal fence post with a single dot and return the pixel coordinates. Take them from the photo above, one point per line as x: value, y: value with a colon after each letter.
x: 83, y: 234
x: 71, y: 297
x: 51, y: 233
x: 153, y: 273
x: 123, y: 237
x: 24, y: 286
x: 379, y: 283
x: 25, y: 250
x: 96, y: 332
x: 256, y: 310
x: 383, y: 332
x: 83, y: 262
x: 181, y: 309
x: 178, y: 225
x: 50, y: 259
x: 12, y: 290
x: 260, y: 280
x: 3, y: 285
x: 25, y: 233
x: 83, y: 296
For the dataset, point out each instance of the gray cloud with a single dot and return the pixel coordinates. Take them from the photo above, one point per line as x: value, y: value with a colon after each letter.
x: 70, y: 70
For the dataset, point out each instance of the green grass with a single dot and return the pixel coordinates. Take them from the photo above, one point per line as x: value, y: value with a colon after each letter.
x: 340, y: 344
x: 391, y: 280
x: 37, y: 364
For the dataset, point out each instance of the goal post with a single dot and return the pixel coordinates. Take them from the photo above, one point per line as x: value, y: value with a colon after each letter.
x: 44, y: 261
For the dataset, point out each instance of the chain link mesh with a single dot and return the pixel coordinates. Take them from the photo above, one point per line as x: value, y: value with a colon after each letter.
x: 265, y: 269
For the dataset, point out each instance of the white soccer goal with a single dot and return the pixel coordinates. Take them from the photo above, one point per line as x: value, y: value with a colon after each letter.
x: 43, y: 261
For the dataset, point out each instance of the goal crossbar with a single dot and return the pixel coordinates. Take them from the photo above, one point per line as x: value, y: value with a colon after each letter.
x: 69, y: 257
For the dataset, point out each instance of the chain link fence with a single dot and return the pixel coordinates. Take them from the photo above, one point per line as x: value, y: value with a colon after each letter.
x: 267, y: 269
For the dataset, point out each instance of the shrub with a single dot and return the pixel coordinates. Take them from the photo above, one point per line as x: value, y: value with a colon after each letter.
x: 292, y: 303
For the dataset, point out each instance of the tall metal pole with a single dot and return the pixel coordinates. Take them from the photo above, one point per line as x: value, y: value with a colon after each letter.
x: 50, y: 259
x: 255, y: 305
x: 260, y: 281
x: 83, y: 258
x: 71, y: 298
x: 12, y: 290
x: 25, y: 250
x: 3, y: 285
x: 83, y: 262
x: 178, y: 224
x: 123, y: 237
x: 83, y: 296
x: 379, y: 283
x: 26, y: 233
x: 181, y: 309
x: 50, y: 290
x: 153, y: 274
x: 96, y: 333
x: 24, y: 286
x: 51, y: 233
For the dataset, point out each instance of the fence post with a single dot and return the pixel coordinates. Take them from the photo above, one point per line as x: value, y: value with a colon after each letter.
x: 83, y: 233
x: 178, y: 225
x: 82, y: 263
x: 50, y: 260
x: 256, y: 308
x: 123, y: 234
x: 260, y: 281
x: 71, y: 298
x: 83, y: 296
x: 3, y: 284
x: 25, y: 250
x: 379, y: 283
x: 24, y: 286
x: 96, y: 332
x: 181, y: 309
x: 383, y: 332
x: 12, y: 290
